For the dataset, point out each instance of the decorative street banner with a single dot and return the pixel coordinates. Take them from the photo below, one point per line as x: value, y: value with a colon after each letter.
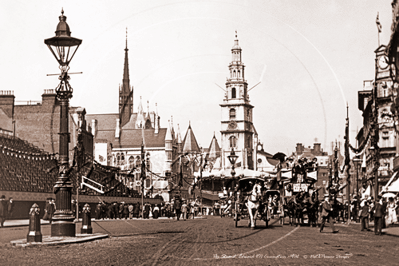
x: 300, y: 187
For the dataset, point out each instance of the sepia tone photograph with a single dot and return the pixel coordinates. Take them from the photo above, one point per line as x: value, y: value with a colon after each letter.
x: 220, y: 132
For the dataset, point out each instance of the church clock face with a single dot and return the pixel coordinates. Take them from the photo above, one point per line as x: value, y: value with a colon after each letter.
x: 232, y: 125
x: 383, y: 62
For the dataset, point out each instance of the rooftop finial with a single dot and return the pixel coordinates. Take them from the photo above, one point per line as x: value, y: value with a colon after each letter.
x: 236, y: 34
x: 126, y: 39
x: 62, y: 17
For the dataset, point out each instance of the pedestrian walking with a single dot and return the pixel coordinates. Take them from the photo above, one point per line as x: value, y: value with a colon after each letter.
x: 168, y: 210
x: 146, y: 213
x: 130, y: 211
x: 98, y: 211
x: 120, y: 210
x: 391, y: 206
x: 184, y: 210
x: 379, y: 214
x: 125, y: 211
x: 3, y: 210
x: 155, y: 212
x: 326, y: 214
x: 49, y: 211
x: 10, y: 208
x: 364, y: 214
x: 177, y: 206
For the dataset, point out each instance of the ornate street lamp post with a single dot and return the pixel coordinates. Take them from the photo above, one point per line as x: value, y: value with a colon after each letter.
x: 63, y: 47
x: 357, y: 207
x: 233, y: 158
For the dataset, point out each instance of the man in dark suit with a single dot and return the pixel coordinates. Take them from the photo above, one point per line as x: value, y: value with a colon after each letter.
x: 326, y: 214
x: 3, y: 210
x: 364, y: 208
x: 177, y: 207
x: 379, y: 213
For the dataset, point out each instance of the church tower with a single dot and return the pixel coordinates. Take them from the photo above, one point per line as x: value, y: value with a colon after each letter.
x: 125, y: 93
x: 237, y: 129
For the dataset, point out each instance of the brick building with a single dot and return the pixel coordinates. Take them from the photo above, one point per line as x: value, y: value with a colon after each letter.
x: 39, y: 122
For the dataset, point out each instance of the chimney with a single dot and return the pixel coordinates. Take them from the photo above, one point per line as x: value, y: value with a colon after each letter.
x: 317, y: 148
x: 93, y: 127
x: 49, y: 97
x: 7, y: 99
x: 299, y: 148
x: 117, y: 128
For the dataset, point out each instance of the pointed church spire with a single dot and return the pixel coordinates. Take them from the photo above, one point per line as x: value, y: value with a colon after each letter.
x: 168, y: 136
x: 190, y: 144
x: 140, y: 122
x: 178, y: 134
x: 126, y: 79
x: 125, y: 92
x: 172, y: 127
x: 156, y: 120
x: 214, y: 148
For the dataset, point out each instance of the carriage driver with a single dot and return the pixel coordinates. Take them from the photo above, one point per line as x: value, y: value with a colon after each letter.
x: 256, y: 191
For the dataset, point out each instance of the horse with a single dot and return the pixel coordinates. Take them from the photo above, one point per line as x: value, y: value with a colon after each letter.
x: 290, y: 209
x: 313, y: 209
x: 254, y: 203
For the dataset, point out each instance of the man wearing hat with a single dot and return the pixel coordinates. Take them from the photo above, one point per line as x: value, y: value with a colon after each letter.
x: 364, y: 214
x: 3, y: 210
x: 326, y: 214
x: 379, y: 213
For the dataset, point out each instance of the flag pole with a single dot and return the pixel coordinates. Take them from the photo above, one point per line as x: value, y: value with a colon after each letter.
x: 379, y: 27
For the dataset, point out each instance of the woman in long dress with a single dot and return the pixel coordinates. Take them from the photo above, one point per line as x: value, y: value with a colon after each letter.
x: 391, y: 212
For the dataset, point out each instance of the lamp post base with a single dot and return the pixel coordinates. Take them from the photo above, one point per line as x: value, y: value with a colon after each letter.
x: 63, y: 227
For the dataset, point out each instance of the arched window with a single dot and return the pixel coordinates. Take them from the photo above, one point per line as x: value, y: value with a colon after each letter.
x: 118, y: 159
x: 233, y: 93
x: 148, y: 124
x: 234, y: 74
x: 233, y: 141
x: 232, y: 113
x: 122, y: 159
x: 238, y: 73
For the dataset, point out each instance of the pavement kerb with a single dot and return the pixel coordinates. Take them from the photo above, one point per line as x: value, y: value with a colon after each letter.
x: 25, y: 222
x: 52, y: 241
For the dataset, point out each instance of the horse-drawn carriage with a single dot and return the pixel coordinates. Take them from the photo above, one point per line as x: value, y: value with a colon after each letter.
x: 302, y: 206
x: 251, y: 200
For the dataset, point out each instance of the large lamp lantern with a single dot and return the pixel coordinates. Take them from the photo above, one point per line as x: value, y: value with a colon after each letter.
x: 232, y: 158
x: 63, y: 47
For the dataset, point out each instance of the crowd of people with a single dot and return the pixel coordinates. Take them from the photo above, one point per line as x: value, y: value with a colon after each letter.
x: 6, y: 209
x: 177, y: 208
x: 382, y: 212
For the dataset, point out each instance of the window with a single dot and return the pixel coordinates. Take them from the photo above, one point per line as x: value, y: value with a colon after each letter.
x: 118, y: 159
x: 233, y: 141
x: 232, y: 114
x: 131, y: 162
x: 233, y: 93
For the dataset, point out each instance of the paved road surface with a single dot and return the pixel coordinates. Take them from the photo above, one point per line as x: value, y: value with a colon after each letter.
x: 210, y: 241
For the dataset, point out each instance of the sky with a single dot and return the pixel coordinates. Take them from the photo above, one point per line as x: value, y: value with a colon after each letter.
x: 310, y: 57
